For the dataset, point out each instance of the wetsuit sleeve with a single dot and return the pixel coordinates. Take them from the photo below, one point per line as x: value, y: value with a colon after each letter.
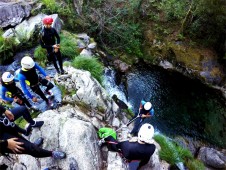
x: 40, y: 69
x: 23, y: 85
x: 142, y: 102
x: 111, y: 143
x: 3, y: 95
x: 152, y: 112
x: 2, y: 109
x: 57, y: 36
x: 3, y: 144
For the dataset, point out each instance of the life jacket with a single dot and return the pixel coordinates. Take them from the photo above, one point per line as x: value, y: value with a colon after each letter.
x: 47, y: 36
x: 30, y: 75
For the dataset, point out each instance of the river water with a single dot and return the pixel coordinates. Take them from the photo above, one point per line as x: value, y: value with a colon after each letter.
x: 183, y: 106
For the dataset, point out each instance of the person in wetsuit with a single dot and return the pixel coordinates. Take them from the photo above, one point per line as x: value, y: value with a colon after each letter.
x: 145, y: 111
x: 8, y: 85
x: 28, y: 73
x: 142, y: 149
x: 50, y: 40
x: 11, y: 115
x: 12, y: 142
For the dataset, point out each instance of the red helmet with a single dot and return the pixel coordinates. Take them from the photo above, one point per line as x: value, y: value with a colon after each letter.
x: 47, y: 20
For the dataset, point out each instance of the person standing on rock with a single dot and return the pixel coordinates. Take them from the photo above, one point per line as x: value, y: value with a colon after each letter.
x: 50, y: 40
x: 8, y: 85
x: 12, y: 142
x: 29, y: 75
x: 145, y: 111
x: 140, y: 148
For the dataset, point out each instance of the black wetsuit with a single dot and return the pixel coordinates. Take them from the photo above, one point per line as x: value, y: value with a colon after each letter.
x: 7, y: 132
x: 48, y: 38
x: 132, y: 150
x: 32, y: 76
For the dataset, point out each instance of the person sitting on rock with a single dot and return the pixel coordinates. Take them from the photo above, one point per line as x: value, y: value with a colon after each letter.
x: 11, y: 142
x: 28, y: 73
x: 142, y: 148
x: 50, y: 40
x: 8, y: 86
x: 145, y: 111
x: 7, y: 117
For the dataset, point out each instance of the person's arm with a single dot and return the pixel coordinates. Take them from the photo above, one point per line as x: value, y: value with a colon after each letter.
x: 2, y: 109
x: 57, y: 36
x: 23, y: 85
x: 3, y: 144
x: 40, y: 69
x: 3, y: 95
x: 12, y: 144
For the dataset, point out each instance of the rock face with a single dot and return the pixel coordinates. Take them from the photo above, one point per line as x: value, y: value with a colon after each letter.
x: 63, y: 130
x: 12, y: 13
x: 121, y: 66
x: 29, y: 29
x: 212, y: 157
x: 89, y: 91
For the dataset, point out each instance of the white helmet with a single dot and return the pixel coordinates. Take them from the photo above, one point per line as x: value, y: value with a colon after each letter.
x: 147, y: 106
x: 7, y: 77
x: 146, y: 133
x: 27, y: 62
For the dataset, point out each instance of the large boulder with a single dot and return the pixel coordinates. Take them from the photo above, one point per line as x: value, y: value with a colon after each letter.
x: 29, y: 29
x: 212, y: 157
x: 89, y: 91
x: 64, y: 131
x: 12, y: 13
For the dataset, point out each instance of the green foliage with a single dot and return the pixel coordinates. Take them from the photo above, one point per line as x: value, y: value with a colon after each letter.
x: 69, y: 47
x: 67, y: 63
x: 195, y: 165
x: 209, y: 21
x: 6, y: 48
x: 40, y: 55
x: 90, y: 64
x: 129, y: 112
x: 174, y: 9
x: 171, y: 152
x: 65, y: 91
x: 51, y: 5
x: 117, y: 26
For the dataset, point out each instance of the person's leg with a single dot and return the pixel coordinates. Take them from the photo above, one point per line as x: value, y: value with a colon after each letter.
x: 22, y: 111
x: 54, y: 60
x: 29, y: 148
x: 38, y: 91
x: 46, y: 83
x: 59, y: 58
x: 111, y: 143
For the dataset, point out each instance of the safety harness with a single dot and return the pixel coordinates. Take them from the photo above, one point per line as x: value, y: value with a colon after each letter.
x: 6, y: 122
